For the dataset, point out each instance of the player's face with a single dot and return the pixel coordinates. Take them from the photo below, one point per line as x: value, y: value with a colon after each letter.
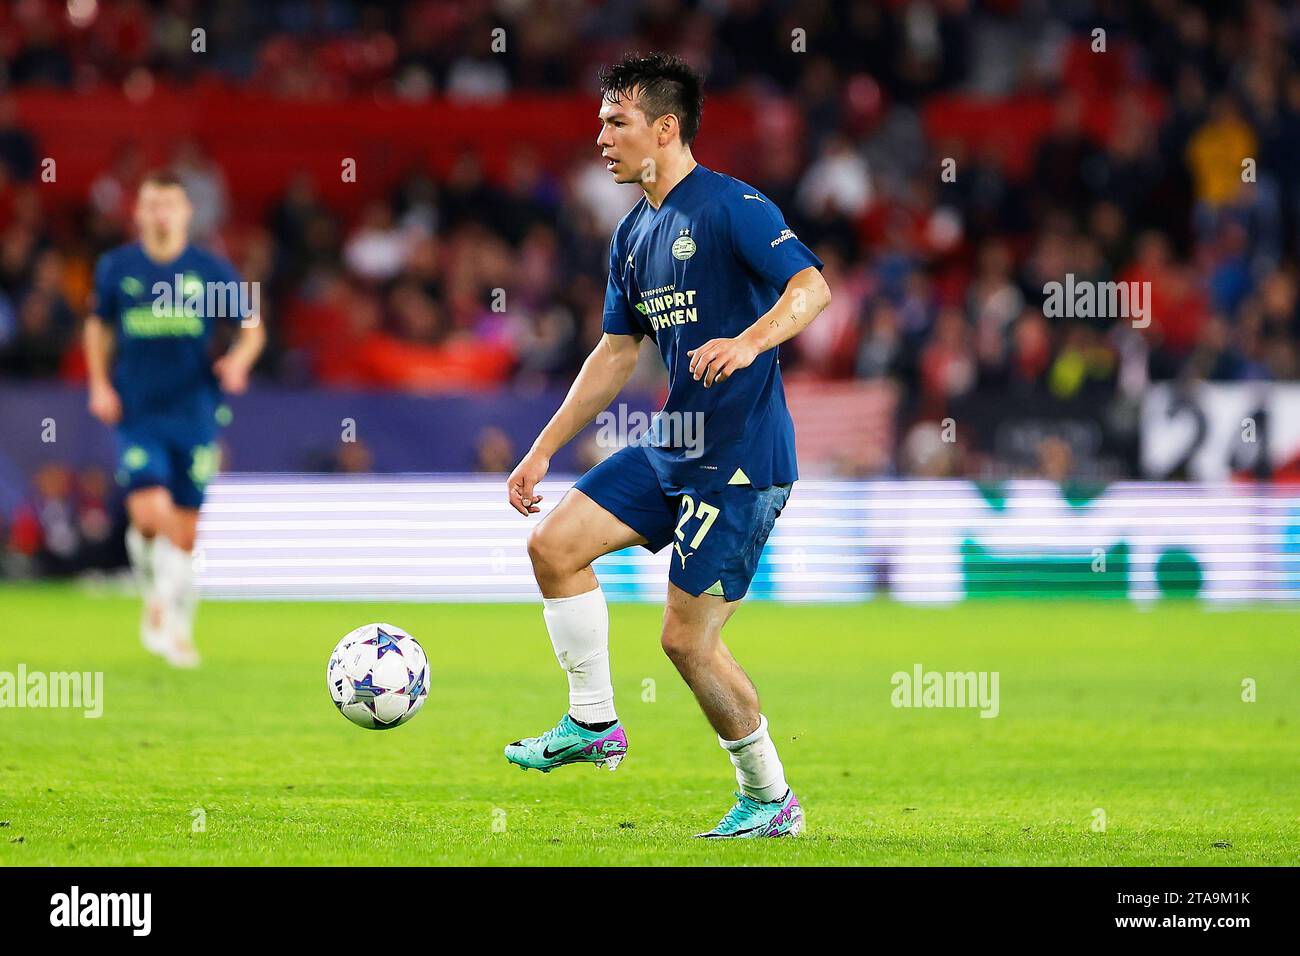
x: 162, y: 213
x: 627, y: 141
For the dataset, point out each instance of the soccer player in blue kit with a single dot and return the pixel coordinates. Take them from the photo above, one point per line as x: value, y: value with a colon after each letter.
x: 157, y: 305
x: 706, y: 266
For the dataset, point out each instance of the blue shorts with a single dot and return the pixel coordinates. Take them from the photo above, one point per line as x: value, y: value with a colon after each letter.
x: 181, y: 456
x: 717, y: 535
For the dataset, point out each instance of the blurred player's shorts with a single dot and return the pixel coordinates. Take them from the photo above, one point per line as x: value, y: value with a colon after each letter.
x: 179, y: 456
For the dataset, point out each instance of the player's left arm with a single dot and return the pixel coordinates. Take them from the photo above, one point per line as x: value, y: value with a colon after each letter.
x: 233, y: 368
x: 804, y: 298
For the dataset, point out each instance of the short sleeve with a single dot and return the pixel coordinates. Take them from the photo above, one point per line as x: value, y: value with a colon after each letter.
x: 243, y: 298
x: 762, y: 240
x: 619, y: 318
x: 104, y: 302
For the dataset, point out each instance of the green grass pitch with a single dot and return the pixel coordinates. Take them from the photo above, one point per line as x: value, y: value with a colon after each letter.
x: 1104, y: 707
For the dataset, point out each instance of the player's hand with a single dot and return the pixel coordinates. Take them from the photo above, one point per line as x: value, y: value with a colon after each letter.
x: 718, y: 359
x: 232, y: 374
x: 105, y: 404
x: 524, y: 479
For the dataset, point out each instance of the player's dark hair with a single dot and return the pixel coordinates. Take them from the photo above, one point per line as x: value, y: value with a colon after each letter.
x: 667, y: 84
x: 162, y: 177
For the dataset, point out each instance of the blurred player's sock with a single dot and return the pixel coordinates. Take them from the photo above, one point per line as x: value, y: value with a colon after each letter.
x: 174, y: 574
x: 579, y: 629
x: 758, y: 768
x: 140, y: 552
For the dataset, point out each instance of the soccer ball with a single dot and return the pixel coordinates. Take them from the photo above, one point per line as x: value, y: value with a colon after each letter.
x: 378, y: 676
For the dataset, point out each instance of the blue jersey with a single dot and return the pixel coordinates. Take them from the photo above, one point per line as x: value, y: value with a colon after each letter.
x: 163, y: 365
x: 706, y: 264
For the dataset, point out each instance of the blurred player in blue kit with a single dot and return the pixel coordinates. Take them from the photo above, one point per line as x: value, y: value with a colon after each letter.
x: 158, y: 303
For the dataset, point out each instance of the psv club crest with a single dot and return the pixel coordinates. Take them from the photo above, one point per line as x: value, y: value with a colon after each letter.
x: 684, y: 245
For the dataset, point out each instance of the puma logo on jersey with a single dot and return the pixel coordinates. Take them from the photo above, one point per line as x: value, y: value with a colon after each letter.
x: 677, y: 546
x: 748, y: 196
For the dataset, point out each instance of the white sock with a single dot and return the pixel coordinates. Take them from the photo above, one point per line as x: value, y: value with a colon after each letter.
x: 758, y: 768
x: 174, y: 574
x: 579, y: 629
x: 139, y: 551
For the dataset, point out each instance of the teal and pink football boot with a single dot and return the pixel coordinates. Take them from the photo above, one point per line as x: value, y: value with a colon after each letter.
x: 754, y: 818
x: 567, y: 743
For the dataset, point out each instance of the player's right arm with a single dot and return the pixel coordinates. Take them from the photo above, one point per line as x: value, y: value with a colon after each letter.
x: 97, y: 342
x: 603, y: 376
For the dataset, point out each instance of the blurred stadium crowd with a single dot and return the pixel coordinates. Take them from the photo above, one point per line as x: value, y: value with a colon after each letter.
x: 938, y: 281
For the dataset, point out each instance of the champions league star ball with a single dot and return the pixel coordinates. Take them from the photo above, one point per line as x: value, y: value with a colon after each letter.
x: 378, y: 677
